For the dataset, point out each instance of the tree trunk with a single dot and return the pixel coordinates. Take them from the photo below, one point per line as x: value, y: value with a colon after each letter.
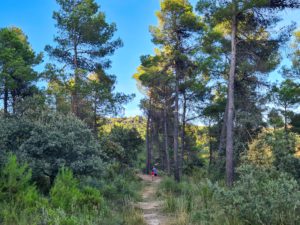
x: 286, y: 134
x: 155, y: 139
x: 222, y: 143
x: 5, y: 99
x: 166, y: 144
x: 95, y: 117
x: 211, y: 157
x: 14, y: 100
x: 148, y: 142
x: 229, y: 124
x: 74, y: 101
x: 285, y: 119
x: 183, y: 133
x: 176, y: 124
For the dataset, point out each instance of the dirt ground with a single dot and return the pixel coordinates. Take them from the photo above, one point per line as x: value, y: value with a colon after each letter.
x: 151, y: 206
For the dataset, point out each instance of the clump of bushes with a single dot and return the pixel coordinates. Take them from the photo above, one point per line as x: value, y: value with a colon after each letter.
x: 50, y: 142
x: 260, y: 196
x: 69, y: 202
x: 276, y: 149
x: 263, y: 195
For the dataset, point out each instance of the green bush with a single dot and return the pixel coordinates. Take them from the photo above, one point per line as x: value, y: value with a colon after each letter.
x: 19, y: 199
x: 65, y: 193
x: 122, y: 145
x: 51, y: 142
x: 262, y: 196
x: 276, y: 149
x: 121, y: 186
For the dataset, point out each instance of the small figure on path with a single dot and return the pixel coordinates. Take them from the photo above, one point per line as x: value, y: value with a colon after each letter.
x: 154, y: 172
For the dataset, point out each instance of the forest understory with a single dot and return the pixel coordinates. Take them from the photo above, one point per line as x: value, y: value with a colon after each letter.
x: 218, y: 116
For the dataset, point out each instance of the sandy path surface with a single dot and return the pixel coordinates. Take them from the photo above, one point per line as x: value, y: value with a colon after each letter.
x: 152, y: 208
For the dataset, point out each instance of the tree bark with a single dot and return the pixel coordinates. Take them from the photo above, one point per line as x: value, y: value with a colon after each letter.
x: 14, y: 100
x: 211, y: 157
x: 176, y: 124
x: 286, y: 134
x: 183, y: 133
x: 222, y: 143
x: 74, y: 101
x: 285, y: 119
x: 166, y: 144
x: 148, y: 142
x: 5, y: 99
x: 95, y: 117
x: 230, y: 115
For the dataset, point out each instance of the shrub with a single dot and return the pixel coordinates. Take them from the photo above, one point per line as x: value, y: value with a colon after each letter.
x: 51, y: 142
x: 65, y: 193
x: 133, y: 216
x: 262, y: 196
x: 19, y: 199
x: 122, y: 144
x: 276, y: 149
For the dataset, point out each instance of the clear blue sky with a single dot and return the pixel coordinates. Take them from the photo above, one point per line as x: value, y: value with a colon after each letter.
x: 132, y: 17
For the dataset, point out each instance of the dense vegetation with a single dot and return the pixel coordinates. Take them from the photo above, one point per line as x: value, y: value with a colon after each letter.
x: 213, y: 118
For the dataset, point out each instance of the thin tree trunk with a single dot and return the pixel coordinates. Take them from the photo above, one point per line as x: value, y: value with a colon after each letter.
x: 148, y: 142
x: 76, y: 82
x: 222, y: 143
x: 5, y: 99
x: 176, y: 124
x: 166, y: 144
x: 14, y: 100
x: 285, y: 119
x: 95, y: 116
x: 230, y: 132
x: 155, y: 137
x: 286, y: 128
x: 183, y: 133
x: 211, y: 157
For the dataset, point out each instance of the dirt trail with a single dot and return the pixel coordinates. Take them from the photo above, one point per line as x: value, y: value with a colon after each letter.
x: 150, y: 205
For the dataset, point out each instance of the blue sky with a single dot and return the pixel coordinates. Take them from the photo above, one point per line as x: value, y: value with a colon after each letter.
x: 132, y: 17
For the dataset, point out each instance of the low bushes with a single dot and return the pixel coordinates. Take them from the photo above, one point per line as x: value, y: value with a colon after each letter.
x: 69, y: 202
x: 260, y: 196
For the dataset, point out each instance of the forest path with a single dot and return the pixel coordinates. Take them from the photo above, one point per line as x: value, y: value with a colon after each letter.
x: 151, y: 206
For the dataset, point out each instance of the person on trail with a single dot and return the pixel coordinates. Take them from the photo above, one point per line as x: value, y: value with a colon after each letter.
x: 154, y: 172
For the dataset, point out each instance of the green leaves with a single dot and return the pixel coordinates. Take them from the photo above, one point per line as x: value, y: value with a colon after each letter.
x: 50, y: 142
x: 258, y: 197
x: 17, y: 60
x: 84, y: 35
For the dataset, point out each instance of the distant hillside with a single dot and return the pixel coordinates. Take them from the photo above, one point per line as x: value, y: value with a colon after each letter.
x: 137, y: 122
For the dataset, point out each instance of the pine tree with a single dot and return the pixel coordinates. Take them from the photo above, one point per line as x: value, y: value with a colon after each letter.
x: 17, y: 60
x: 84, y: 41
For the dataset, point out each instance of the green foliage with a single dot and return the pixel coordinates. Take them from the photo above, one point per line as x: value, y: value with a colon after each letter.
x: 116, y: 186
x: 122, y: 145
x: 287, y: 94
x: 263, y: 196
x: 19, y: 199
x: 275, y: 120
x: 68, y: 202
x: 50, y: 142
x: 65, y: 193
x: 17, y: 60
x: 133, y: 216
x: 84, y: 42
x: 295, y: 122
x: 137, y: 122
x: 260, y: 196
x: 83, y: 25
x: 276, y: 149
